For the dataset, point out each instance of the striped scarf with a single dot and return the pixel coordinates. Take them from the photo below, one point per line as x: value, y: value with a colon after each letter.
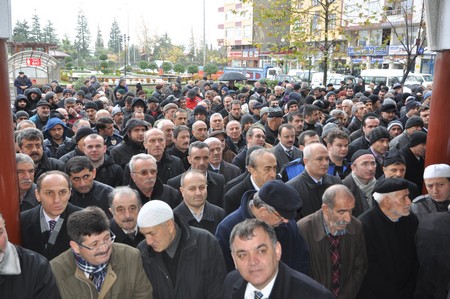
x: 96, y: 273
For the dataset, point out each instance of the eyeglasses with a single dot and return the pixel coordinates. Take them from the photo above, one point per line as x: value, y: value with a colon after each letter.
x: 107, y: 241
x: 145, y: 172
x: 273, y: 211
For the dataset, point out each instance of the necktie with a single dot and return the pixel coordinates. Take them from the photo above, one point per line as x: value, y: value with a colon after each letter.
x: 289, y: 153
x: 258, y: 295
x: 52, y: 224
x: 131, y: 235
x: 335, y: 255
x: 215, y: 170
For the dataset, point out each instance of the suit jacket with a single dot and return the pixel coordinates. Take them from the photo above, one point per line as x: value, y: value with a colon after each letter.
x: 310, y: 192
x: 228, y: 170
x: 353, y: 254
x: 122, y: 237
x: 232, y: 199
x: 282, y: 157
x: 212, y: 216
x: 34, y: 239
x: 288, y: 284
x: 216, y: 182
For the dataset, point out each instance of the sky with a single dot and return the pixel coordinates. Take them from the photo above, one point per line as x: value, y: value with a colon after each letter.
x: 176, y: 17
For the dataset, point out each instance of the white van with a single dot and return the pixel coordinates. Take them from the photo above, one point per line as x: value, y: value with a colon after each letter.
x: 389, y: 77
x: 424, y: 79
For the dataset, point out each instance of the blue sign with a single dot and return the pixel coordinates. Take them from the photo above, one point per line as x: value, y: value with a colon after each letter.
x: 368, y: 51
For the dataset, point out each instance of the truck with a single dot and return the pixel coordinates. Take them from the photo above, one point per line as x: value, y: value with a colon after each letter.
x: 255, y: 74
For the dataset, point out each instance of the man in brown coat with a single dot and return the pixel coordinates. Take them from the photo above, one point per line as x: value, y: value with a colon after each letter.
x: 336, y: 243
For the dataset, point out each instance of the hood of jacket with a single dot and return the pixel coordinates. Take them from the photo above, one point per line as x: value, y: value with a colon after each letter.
x: 50, y: 124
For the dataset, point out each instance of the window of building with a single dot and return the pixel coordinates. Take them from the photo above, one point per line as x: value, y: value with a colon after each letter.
x: 248, y: 31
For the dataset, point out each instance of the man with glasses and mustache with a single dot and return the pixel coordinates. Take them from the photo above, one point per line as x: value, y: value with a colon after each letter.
x: 275, y: 203
x: 95, y: 266
x: 336, y: 243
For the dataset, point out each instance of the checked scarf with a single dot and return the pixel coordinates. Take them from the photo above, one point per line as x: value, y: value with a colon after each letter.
x: 96, y: 273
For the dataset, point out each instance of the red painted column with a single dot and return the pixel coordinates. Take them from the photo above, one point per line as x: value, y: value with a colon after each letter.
x: 438, y: 140
x: 9, y: 193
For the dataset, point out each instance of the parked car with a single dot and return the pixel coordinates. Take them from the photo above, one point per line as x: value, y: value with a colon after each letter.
x: 284, y: 77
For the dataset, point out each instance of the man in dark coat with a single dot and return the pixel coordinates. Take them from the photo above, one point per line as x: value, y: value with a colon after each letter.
x: 261, y: 169
x: 145, y: 181
x: 44, y: 228
x: 85, y: 190
x: 389, y: 230
x: 125, y: 204
x: 194, y: 208
x: 274, y: 279
x: 369, y: 122
x: 24, y: 273
x: 414, y: 154
x: 334, y: 227
x: 107, y: 171
x: 22, y: 82
x: 30, y: 142
x: 25, y: 177
x: 433, y: 241
x: 314, y: 180
x: 216, y: 162
x: 199, y: 159
x: 275, y: 203
x: 183, y: 261
x: 132, y: 142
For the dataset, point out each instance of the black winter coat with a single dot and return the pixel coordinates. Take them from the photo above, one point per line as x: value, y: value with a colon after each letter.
x: 200, y: 271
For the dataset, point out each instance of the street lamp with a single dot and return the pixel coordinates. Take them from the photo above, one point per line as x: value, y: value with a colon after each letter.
x: 125, y: 46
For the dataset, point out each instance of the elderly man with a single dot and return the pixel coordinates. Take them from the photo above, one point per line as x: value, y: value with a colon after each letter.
x: 361, y: 180
x: 216, y: 122
x: 199, y: 159
x: 194, y: 208
x: 24, y: 273
x: 261, y: 168
x: 85, y: 190
x: 314, y: 180
x: 216, y: 162
x: 234, y: 141
x: 44, y: 228
x: 389, y: 231
x: 25, y: 176
x: 183, y: 261
x: 125, y: 204
x: 30, y: 142
x: 259, y: 272
x: 144, y: 180
x: 42, y: 114
x: 277, y: 204
x: 94, y: 266
x: 437, y: 181
x: 336, y: 243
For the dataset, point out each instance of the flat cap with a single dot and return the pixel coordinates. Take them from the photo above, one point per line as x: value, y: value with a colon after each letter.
x: 282, y: 197
x: 390, y: 185
x: 393, y: 157
x: 416, y: 138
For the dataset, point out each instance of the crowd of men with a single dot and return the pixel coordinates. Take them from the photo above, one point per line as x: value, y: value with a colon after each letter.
x: 207, y: 190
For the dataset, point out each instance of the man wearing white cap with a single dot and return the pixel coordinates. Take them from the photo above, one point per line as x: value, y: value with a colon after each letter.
x: 180, y: 261
x: 437, y: 181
